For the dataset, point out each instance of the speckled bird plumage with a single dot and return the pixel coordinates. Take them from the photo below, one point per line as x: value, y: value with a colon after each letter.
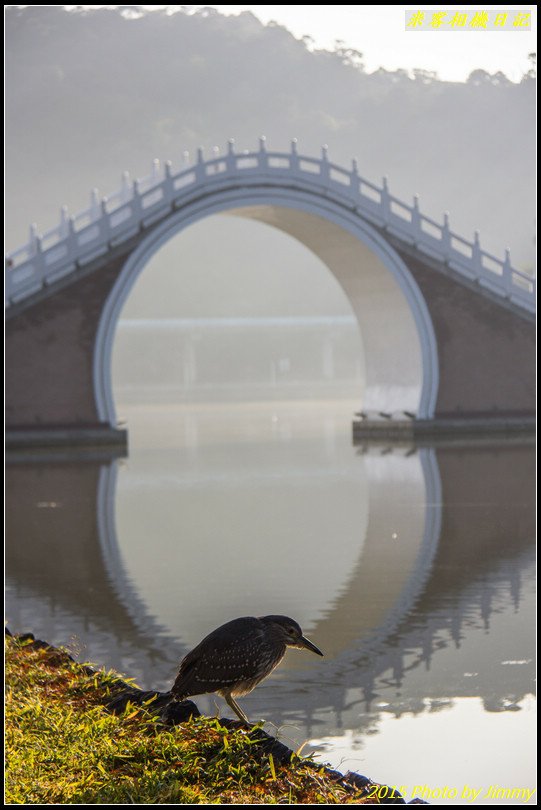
x: 235, y: 657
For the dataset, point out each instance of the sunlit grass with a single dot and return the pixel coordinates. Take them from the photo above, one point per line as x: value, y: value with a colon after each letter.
x: 64, y: 747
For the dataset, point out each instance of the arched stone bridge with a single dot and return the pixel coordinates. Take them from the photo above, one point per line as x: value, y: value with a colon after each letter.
x: 447, y: 328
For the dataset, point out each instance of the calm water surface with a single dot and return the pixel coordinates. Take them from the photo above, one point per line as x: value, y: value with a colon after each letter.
x: 412, y: 568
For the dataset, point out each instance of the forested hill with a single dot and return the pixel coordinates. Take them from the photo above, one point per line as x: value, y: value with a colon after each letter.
x: 91, y: 93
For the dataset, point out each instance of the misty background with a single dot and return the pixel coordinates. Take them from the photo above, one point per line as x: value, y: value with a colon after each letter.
x: 93, y: 92
x: 90, y: 94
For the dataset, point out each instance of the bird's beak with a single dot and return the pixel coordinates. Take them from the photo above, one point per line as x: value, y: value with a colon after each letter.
x: 305, y: 644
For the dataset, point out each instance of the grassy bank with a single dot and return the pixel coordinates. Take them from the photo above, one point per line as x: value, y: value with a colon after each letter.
x: 64, y: 747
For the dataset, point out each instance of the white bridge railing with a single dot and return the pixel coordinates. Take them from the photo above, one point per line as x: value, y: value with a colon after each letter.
x: 110, y: 221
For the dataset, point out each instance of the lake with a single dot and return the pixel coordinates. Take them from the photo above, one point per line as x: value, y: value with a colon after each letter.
x: 411, y: 567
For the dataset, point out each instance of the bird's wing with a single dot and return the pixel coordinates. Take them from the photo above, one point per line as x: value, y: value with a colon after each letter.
x: 221, y: 659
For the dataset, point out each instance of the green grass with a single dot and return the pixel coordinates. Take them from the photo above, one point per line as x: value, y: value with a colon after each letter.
x: 63, y: 747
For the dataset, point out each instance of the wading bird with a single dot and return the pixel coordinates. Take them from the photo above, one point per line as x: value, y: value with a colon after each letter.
x: 235, y: 657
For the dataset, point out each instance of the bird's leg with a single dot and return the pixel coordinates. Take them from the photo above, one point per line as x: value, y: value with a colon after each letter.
x: 235, y: 706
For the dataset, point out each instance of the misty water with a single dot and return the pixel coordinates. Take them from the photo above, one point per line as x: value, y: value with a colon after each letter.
x: 411, y: 567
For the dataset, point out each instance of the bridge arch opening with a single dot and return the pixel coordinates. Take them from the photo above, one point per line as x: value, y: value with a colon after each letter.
x: 398, y: 343
x: 231, y: 309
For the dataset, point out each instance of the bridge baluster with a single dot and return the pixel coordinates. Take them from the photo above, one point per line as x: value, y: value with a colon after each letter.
x: 476, y: 253
x: 71, y: 240
x: 294, y: 157
x: 64, y: 222
x: 354, y: 179
x: 126, y: 188
x: 324, y: 168
x: 37, y: 253
x: 215, y: 155
x: 168, y: 187
x: 200, y: 166
x: 104, y: 225
x: 262, y: 155
x: 231, y: 159
x: 416, y: 217
x: 66, y: 233
x: 34, y: 242
x: 95, y: 209
x: 385, y: 200
x: 446, y: 235
x: 136, y: 205
x: 508, y: 273
x: 155, y: 174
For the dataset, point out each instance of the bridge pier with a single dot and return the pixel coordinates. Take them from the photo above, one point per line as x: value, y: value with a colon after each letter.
x: 486, y: 354
x: 486, y: 360
x: 49, y: 375
x: 481, y: 428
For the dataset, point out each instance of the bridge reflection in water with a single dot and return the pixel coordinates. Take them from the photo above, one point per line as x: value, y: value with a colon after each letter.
x: 409, y: 566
